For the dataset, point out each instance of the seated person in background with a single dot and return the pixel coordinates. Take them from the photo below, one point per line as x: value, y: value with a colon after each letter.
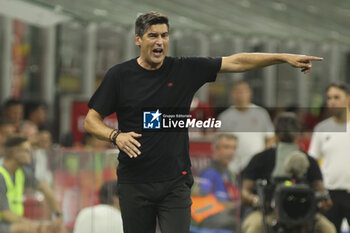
x: 6, y: 129
x: 36, y: 112
x: 104, y: 217
x: 14, y: 178
x: 41, y: 156
x: 272, y: 164
x: 13, y: 112
x: 216, y: 179
x: 41, y: 143
x: 29, y: 130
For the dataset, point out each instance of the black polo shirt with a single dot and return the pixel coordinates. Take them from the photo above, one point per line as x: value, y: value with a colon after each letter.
x: 127, y: 89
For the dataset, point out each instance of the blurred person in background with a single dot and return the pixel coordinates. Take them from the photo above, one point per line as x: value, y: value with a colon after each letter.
x: 14, y: 178
x: 41, y: 142
x: 30, y: 130
x: 218, y: 180
x: 44, y: 139
x: 41, y: 156
x: 13, y: 111
x: 250, y: 123
x: 6, y: 129
x: 36, y: 112
x: 270, y: 165
x: 104, y: 217
x: 154, y: 174
x: 330, y: 144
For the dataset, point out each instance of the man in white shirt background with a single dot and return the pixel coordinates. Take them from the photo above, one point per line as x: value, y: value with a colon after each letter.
x: 104, y: 217
x: 249, y: 122
x: 330, y: 144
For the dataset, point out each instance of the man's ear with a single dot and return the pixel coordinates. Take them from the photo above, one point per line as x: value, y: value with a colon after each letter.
x: 138, y: 40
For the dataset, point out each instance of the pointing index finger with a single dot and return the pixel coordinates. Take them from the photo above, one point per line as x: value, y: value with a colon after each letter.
x: 312, y: 58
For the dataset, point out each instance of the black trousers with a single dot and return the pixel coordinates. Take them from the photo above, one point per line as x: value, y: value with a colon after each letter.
x: 340, y: 208
x: 169, y: 202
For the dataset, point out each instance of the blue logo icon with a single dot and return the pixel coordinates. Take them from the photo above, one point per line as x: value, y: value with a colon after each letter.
x: 151, y: 119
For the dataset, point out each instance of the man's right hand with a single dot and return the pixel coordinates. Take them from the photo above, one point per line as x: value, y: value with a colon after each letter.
x: 127, y: 143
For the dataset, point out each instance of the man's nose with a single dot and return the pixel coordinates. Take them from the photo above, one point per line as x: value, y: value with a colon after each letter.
x: 159, y: 40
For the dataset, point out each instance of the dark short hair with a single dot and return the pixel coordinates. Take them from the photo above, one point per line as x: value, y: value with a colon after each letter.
x: 14, y: 141
x: 287, y: 127
x: 107, y: 192
x: 342, y: 86
x: 32, y: 106
x: 145, y: 20
x: 12, y: 102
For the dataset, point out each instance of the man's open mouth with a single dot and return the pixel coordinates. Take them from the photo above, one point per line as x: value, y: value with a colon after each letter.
x: 157, y: 52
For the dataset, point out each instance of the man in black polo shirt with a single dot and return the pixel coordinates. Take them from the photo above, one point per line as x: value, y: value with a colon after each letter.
x: 154, y: 174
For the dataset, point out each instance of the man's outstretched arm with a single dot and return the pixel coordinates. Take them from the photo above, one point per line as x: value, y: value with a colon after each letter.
x: 241, y: 62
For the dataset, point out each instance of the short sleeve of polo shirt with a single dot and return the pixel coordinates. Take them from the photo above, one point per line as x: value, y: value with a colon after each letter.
x: 104, y: 101
x: 204, y: 69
